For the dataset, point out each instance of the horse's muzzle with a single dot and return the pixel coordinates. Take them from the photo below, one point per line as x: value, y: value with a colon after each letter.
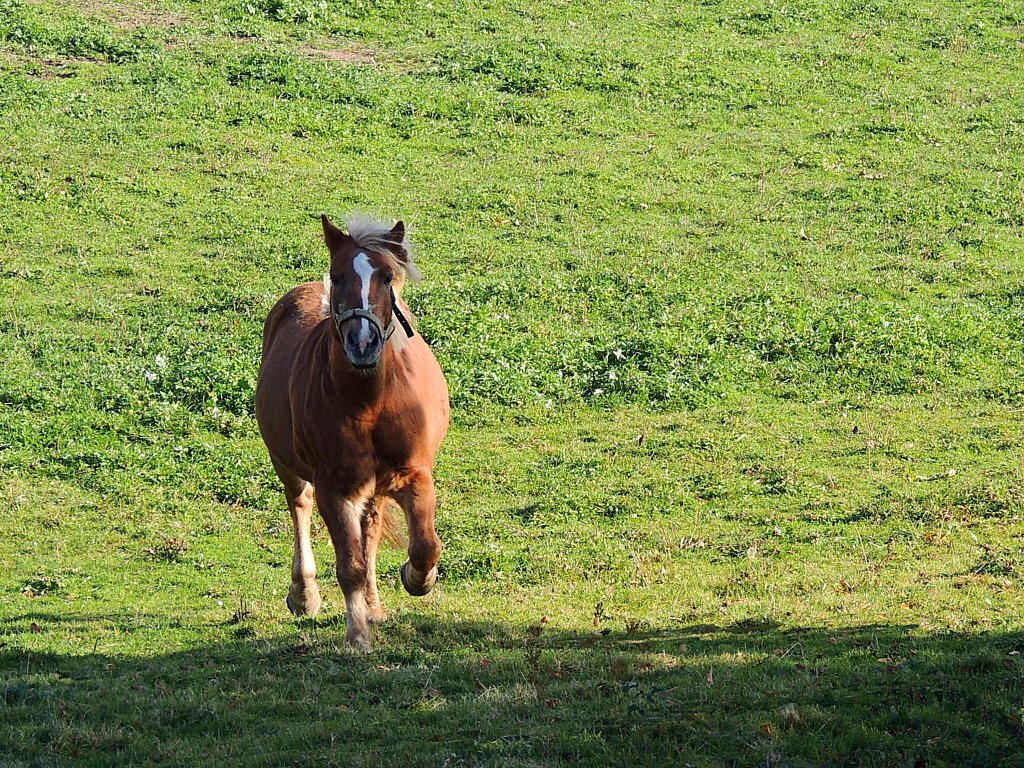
x: 363, y: 346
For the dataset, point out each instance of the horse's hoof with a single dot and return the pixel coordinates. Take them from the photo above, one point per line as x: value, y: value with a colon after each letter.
x: 376, y: 615
x: 358, y: 645
x: 310, y: 607
x: 414, y: 589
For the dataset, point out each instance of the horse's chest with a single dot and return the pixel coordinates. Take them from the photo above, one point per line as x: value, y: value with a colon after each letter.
x: 388, y: 439
x: 397, y: 437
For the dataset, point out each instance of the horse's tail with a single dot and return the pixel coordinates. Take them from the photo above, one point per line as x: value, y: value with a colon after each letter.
x: 391, y: 527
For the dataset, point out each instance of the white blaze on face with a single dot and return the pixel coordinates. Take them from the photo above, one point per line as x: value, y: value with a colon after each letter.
x: 364, y: 269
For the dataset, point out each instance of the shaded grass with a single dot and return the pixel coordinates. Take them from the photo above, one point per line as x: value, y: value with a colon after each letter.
x: 484, y: 693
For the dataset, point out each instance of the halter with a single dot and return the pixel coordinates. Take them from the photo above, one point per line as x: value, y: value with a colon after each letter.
x: 371, y: 317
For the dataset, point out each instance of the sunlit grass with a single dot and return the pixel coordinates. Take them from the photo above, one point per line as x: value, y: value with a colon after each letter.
x: 730, y: 302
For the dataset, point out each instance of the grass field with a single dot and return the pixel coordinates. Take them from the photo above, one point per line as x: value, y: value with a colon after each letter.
x: 730, y: 297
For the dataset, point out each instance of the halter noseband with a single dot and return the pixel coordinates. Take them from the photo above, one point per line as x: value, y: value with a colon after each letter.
x: 371, y: 317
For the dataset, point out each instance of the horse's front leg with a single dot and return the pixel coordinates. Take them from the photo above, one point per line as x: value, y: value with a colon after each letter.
x: 373, y: 527
x: 419, y: 502
x: 342, y: 506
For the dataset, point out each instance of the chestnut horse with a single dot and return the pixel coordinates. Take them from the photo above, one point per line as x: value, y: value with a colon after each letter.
x: 353, y: 406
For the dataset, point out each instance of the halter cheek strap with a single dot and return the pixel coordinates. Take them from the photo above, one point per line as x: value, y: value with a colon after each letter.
x: 370, y: 316
x: 401, y: 316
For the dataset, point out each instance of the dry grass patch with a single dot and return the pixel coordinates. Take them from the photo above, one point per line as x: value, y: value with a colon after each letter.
x: 48, y: 67
x: 128, y: 16
x: 349, y: 53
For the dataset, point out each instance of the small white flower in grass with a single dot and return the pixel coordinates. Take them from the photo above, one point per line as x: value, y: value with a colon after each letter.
x: 161, y: 361
x: 619, y: 354
x: 612, y: 376
x: 151, y: 376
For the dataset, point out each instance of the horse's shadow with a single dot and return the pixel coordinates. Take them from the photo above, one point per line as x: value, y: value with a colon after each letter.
x: 476, y: 693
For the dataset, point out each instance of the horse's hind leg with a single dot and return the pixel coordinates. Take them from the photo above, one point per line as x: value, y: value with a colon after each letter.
x: 304, y: 594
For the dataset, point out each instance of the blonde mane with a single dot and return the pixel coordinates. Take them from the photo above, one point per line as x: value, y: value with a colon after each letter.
x: 372, y: 234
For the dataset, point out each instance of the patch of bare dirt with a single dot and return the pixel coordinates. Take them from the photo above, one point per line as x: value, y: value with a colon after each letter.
x: 128, y: 17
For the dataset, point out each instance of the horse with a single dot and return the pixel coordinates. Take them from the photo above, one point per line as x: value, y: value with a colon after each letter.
x: 353, y: 406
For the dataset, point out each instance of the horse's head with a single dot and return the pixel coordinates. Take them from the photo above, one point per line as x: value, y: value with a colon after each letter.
x: 369, y: 263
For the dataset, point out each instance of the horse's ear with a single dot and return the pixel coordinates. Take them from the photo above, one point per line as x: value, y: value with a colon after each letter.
x: 397, y: 233
x: 332, y: 234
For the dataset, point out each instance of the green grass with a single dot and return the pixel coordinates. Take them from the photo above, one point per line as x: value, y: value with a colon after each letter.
x: 730, y: 297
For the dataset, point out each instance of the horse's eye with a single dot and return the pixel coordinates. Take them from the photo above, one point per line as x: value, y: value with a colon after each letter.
x: 389, y: 278
x: 337, y: 281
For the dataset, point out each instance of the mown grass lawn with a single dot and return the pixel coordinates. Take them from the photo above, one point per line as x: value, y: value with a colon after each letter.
x: 730, y: 296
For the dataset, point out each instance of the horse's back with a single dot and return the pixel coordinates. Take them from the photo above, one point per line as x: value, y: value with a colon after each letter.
x: 293, y: 317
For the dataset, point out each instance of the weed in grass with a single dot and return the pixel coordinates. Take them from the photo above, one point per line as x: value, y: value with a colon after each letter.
x: 170, y: 550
